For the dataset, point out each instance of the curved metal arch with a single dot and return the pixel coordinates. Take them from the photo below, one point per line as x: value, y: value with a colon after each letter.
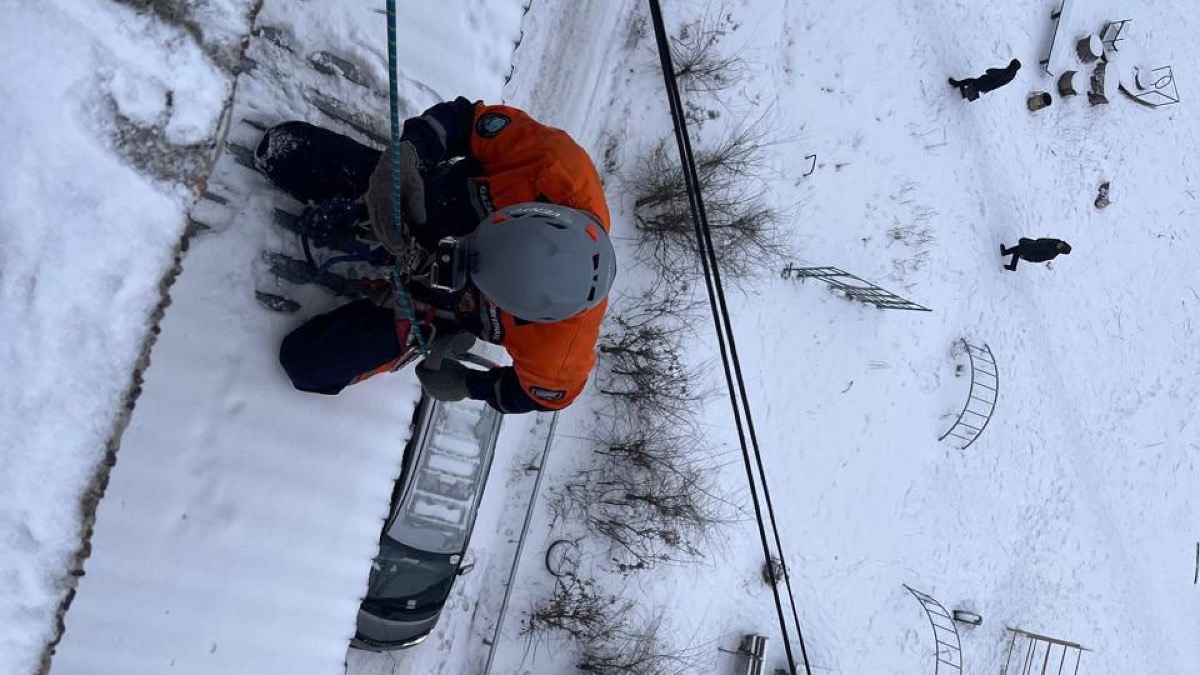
x: 947, y: 654
x: 981, y: 397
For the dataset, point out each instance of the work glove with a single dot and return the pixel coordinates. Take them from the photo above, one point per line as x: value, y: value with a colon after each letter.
x: 412, y: 198
x: 449, y: 346
x: 443, y: 377
x: 330, y: 220
x: 447, y: 382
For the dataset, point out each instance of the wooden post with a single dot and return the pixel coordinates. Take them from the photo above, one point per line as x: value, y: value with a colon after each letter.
x: 1101, y: 86
x: 1069, y: 83
x: 1037, y: 100
x: 1089, y: 48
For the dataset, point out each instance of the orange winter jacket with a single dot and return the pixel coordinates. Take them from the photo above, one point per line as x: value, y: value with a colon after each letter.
x: 517, y: 159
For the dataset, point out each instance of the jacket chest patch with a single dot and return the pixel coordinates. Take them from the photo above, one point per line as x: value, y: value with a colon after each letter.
x: 548, y: 394
x: 491, y: 124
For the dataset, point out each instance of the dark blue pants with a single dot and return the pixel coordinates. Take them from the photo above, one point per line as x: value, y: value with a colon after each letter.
x: 341, y: 347
x: 357, y: 340
x: 354, y: 341
x: 313, y: 164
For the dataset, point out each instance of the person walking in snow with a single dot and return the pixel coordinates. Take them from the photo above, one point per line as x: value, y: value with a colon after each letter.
x: 992, y: 79
x: 507, y: 220
x: 1034, y: 250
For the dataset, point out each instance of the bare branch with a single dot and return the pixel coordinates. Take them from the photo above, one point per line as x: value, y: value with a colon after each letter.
x: 577, y: 609
x: 700, y: 64
x: 746, y: 233
x: 644, y: 370
x: 639, y: 650
x: 651, y: 494
x: 613, y: 640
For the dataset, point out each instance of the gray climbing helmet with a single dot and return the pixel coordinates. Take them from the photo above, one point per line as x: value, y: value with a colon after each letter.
x: 541, y: 262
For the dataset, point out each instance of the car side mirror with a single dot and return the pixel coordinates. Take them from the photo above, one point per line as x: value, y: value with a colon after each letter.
x: 468, y: 564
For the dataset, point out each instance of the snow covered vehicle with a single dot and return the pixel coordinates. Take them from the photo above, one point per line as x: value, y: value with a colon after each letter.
x: 425, y: 537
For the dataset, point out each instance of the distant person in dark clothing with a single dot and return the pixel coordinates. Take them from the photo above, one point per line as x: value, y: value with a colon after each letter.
x: 994, y: 78
x: 1034, y: 250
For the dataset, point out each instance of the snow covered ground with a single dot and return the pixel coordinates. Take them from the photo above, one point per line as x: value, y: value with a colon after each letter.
x: 1073, y: 515
x: 239, y: 498
x: 84, y: 241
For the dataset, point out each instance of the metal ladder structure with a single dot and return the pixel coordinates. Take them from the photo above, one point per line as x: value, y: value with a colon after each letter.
x: 1163, y: 92
x: 854, y: 287
x: 945, y: 633
x: 981, y: 398
x: 1046, y: 648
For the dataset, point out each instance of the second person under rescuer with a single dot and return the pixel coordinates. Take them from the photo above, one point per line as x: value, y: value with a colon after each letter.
x: 523, y: 210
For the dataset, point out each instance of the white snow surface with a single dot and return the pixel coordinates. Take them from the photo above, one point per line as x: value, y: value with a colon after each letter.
x: 1073, y: 515
x: 238, y: 533
x: 84, y: 239
x: 245, y: 514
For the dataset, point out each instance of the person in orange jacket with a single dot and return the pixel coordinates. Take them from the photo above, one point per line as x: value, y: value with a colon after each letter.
x: 513, y: 214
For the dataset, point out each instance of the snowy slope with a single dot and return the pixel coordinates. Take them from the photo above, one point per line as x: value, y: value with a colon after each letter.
x: 1072, y: 516
x: 86, y: 233
x: 240, y: 523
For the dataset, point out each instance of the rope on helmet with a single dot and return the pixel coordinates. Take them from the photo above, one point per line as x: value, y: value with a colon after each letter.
x: 402, y: 295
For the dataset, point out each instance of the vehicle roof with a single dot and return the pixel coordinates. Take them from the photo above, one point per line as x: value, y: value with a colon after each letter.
x: 436, y: 508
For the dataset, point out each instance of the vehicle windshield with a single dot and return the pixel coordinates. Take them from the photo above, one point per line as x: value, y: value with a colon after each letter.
x: 406, y: 582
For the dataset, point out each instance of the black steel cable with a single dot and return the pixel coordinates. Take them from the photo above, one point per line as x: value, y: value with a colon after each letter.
x: 729, y: 355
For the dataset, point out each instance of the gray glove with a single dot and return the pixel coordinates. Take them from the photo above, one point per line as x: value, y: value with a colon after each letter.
x: 445, y: 383
x: 448, y: 346
x: 412, y: 197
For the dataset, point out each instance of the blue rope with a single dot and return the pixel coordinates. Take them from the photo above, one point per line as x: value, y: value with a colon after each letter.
x: 394, y: 96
